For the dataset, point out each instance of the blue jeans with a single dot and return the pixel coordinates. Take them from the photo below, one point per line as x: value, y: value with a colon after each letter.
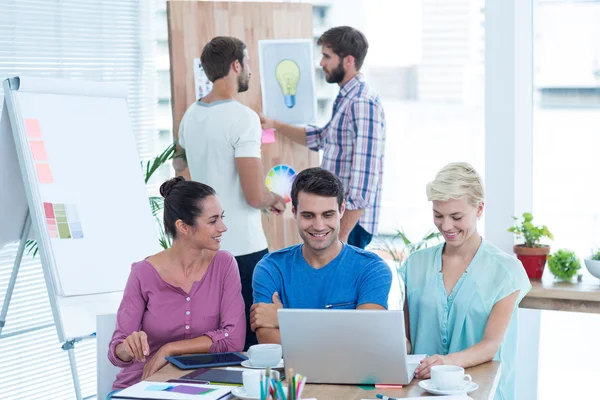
x: 359, y: 237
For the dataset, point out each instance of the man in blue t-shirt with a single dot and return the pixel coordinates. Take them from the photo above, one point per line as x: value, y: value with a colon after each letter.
x: 322, y: 272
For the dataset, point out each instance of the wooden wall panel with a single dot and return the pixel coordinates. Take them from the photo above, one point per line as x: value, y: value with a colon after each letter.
x: 191, y: 25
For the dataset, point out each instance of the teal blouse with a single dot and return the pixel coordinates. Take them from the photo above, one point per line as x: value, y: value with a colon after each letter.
x: 441, y: 324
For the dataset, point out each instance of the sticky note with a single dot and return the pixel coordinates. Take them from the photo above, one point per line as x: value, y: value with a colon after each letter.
x: 38, y: 150
x: 32, y: 127
x: 268, y: 136
x: 158, y: 387
x: 72, y: 212
x: 49, y: 210
x: 190, y: 389
x: 63, y: 231
x: 43, y: 172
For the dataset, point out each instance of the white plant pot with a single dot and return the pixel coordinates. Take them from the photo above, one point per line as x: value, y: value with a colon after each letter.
x: 593, y: 266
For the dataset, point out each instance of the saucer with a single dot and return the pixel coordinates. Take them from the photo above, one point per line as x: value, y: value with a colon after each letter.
x: 248, y: 364
x: 466, y: 389
x: 240, y: 393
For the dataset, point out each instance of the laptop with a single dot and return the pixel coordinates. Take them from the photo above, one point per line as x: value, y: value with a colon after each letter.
x: 361, y: 347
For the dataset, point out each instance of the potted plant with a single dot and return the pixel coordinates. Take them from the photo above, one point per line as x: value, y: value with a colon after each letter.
x: 532, y: 253
x: 564, y: 264
x: 398, y: 247
x: 593, y: 263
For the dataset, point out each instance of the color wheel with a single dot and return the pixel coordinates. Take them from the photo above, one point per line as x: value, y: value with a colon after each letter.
x: 279, y: 180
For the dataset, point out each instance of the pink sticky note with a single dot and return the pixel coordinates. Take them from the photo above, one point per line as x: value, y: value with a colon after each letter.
x: 38, y: 150
x: 32, y: 127
x: 268, y: 136
x: 44, y: 173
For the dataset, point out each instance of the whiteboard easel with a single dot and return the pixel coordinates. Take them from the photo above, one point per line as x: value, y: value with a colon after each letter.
x: 85, y: 272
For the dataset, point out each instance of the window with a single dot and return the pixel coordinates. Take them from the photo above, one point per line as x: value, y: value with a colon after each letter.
x: 429, y: 74
x: 565, y: 169
x: 103, y: 40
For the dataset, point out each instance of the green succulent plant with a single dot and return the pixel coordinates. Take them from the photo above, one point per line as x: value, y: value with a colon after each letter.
x: 595, y: 254
x: 564, y: 264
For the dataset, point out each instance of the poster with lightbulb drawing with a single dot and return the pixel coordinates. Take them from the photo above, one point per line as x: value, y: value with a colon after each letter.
x: 287, y: 80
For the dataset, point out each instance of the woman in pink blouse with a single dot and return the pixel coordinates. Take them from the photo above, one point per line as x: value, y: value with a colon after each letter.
x: 186, y: 299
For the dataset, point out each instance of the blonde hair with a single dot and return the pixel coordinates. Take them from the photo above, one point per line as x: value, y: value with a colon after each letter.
x: 456, y: 181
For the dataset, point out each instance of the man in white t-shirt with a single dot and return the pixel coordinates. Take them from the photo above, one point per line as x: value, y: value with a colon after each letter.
x: 222, y: 140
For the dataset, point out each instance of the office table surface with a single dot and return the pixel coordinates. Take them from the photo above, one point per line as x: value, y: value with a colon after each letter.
x: 485, y: 375
x: 551, y: 294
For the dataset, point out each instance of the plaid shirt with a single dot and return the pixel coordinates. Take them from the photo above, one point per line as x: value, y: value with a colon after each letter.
x: 353, y: 144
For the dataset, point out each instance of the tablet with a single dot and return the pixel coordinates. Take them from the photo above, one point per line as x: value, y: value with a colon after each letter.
x: 195, y: 361
x: 215, y: 377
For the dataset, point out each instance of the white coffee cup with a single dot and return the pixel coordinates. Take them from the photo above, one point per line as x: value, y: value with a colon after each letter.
x: 265, y: 355
x: 251, y: 381
x: 449, y: 377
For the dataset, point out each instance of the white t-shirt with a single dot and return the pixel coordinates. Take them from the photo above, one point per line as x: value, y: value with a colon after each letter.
x: 213, y: 135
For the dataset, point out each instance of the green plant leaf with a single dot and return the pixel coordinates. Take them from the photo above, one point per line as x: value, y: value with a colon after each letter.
x: 156, y: 204
x: 32, y: 247
x: 154, y: 164
x: 564, y: 264
x: 529, y: 232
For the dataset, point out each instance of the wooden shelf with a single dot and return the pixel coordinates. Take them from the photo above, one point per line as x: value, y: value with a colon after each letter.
x: 550, y: 294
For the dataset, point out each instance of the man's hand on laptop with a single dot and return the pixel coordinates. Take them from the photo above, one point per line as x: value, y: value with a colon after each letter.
x: 263, y: 315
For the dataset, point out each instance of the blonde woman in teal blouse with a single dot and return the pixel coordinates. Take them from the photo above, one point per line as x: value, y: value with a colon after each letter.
x: 462, y: 295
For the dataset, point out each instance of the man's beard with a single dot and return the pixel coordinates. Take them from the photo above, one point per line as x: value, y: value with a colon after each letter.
x: 243, y: 83
x: 337, y: 75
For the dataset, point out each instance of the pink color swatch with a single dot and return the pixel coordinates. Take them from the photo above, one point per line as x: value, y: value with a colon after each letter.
x: 49, y: 210
x: 38, y: 150
x: 44, y: 173
x: 32, y: 127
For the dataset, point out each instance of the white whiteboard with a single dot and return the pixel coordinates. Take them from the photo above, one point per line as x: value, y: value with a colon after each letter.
x: 96, y: 177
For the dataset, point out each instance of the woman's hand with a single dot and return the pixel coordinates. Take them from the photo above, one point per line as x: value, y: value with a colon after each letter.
x: 423, y: 371
x: 135, y: 346
x: 156, y: 362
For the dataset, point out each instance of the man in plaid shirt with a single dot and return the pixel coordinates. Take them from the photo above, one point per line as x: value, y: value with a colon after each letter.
x: 353, y: 141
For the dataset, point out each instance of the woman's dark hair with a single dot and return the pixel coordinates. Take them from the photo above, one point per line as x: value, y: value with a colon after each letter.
x: 183, y: 200
x: 318, y: 181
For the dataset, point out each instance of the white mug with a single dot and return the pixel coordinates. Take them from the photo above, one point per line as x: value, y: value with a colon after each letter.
x: 265, y: 355
x: 449, y: 377
x: 251, y: 381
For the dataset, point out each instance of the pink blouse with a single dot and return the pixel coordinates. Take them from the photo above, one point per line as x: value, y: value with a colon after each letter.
x: 214, y: 307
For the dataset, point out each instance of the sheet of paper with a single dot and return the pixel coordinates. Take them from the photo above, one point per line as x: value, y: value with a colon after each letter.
x: 160, y: 391
x: 158, y: 387
x: 268, y: 136
x: 202, y: 84
x: 454, y: 397
x: 189, y: 389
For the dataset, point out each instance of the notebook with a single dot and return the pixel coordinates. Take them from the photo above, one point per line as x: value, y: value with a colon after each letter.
x: 146, y: 390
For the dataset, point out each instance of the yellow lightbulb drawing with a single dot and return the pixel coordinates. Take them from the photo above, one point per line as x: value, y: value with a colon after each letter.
x: 287, y: 73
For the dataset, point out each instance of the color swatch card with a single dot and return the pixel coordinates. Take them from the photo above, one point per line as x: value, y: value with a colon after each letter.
x: 38, y: 150
x: 63, y: 221
x: 32, y: 127
x: 173, y: 391
x: 280, y: 179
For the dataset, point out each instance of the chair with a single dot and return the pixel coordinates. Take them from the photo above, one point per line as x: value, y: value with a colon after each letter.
x: 106, y: 372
